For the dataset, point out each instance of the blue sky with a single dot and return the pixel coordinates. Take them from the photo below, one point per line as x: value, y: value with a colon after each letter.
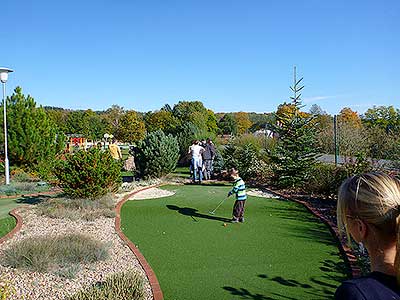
x: 231, y: 55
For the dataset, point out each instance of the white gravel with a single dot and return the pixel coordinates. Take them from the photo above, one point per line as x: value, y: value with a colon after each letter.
x: 152, y: 193
x: 46, y: 286
x: 260, y: 193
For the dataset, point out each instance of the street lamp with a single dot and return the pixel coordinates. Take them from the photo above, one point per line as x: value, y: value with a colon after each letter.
x: 3, y: 78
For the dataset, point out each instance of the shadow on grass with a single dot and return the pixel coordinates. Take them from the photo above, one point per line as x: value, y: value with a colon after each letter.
x: 318, y: 287
x: 193, y: 213
x: 305, y: 225
x: 33, y: 200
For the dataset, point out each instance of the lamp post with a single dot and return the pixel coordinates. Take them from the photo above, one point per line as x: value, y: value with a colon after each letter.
x: 3, y: 78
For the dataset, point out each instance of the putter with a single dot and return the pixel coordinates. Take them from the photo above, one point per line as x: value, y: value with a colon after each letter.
x: 213, y: 211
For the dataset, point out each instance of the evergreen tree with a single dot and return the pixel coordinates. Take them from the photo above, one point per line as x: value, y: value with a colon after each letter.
x: 32, y: 135
x: 157, y: 154
x: 295, y: 153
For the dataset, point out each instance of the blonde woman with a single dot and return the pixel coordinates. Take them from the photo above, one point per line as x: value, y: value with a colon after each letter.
x: 368, y: 210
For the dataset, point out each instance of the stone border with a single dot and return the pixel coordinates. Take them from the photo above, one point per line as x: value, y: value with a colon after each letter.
x: 17, y: 227
x: 154, y: 284
x: 343, y: 248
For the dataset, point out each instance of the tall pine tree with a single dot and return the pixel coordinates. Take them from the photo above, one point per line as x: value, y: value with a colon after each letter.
x: 295, y: 153
x: 32, y: 135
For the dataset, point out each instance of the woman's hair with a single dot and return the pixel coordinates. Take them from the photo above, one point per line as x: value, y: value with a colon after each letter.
x: 375, y: 199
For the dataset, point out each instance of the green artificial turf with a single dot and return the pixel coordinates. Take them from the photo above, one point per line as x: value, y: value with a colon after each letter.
x: 280, y: 252
x: 6, y: 225
x: 183, y: 172
x: 6, y: 205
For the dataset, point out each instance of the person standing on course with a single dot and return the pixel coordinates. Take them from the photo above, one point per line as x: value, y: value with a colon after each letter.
x: 196, y: 153
x: 114, y: 150
x: 239, y: 189
x: 208, y: 157
x: 368, y: 210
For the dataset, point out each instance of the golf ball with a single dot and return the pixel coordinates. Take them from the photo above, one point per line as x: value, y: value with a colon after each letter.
x: 163, y: 232
x: 224, y: 224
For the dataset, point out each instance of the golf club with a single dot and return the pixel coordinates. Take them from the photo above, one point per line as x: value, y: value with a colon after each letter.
x: 213, y: 211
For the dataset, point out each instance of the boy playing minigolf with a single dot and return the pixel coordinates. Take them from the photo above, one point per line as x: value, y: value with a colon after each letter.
x: 239, y: 189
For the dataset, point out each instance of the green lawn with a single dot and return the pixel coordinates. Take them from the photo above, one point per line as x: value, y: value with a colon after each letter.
x: 7, y: 222
x: 183, y: 172
x: 280, y: 252
x: 6, y: 205
x: 6, y: 225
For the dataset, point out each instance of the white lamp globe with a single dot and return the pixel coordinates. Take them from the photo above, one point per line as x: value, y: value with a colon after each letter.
x: 4, y: 74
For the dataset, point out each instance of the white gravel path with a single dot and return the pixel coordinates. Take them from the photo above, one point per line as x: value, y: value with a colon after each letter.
x: 260, y: 193
x: 152, y: 193
x: 35, y: 286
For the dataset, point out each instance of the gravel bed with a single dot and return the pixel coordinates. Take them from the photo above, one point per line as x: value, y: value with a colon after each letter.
x: 260, y: 193
x: 34, y: 286
x: 152, y: 193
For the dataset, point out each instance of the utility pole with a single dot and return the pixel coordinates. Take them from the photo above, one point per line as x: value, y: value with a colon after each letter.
x: 335, y: 137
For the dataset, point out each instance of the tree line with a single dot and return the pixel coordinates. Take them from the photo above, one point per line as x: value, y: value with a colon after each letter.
x: 37, y: 133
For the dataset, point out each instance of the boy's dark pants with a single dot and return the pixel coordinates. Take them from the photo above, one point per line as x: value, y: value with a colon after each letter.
x: 238, y: 209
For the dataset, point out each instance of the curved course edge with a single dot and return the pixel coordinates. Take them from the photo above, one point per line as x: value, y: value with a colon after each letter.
x: 346, y: 252
x: 17, y: 227
x: 154, y: 284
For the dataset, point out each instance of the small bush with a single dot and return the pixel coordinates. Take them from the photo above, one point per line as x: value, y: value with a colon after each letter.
x: 325, y: 180
x: 44, y: 254
x: 127, y: 285
x: 6, y: 289
x: 247, y: 159
x: 73, y: 209
x: 18, y: 188
x: 157, y: 154
x: 358, y: 165
x: 88, y: 174
x: 19, y: 175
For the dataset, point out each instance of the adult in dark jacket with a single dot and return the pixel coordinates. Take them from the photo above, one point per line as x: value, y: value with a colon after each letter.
x: 208, y: 159
x: 368, y: 210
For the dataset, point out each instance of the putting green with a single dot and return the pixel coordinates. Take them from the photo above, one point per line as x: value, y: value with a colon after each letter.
x: 6, y: 225
x: 280, y: 252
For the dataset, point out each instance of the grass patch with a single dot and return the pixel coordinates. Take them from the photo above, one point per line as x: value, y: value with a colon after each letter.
x: 127, y: 285
x: 73, y: 209
x: 59, y: 255
x: 280, y: 252
x: 6, y: 225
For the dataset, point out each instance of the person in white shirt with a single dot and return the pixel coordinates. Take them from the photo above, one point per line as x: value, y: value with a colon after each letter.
x: 196, y: 152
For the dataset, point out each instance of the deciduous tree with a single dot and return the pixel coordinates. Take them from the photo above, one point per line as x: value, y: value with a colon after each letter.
x: 242, y: 121
x: 130, y: 128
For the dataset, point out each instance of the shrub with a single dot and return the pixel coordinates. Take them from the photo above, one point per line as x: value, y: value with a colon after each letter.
x: 325, y: 179
x: 6, y: 289
x: 88, y: 174
x: 19, y: 188
x: 359, y: 164
x: 247, y: 159
x: 73, y: 209
x: 19, y: 175
x: 157, y: 154
x: 43, y: 254
x: 126, y: 285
